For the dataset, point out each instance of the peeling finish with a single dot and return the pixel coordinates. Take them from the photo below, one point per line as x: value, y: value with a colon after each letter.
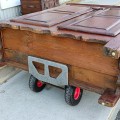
x: 67, y: 36
x: 96, y: 41
x: 46, y: 32
x: 52, y: 33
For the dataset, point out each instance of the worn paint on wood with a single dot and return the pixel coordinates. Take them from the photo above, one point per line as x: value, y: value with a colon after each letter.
x: 81, y: 51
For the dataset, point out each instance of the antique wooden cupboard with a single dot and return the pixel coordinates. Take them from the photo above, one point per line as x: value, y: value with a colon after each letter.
x: 73, y: 45
x: 30, y: 6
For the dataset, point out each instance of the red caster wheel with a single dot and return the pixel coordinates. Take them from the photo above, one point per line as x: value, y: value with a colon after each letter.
x: 73, y: 95
x: 36, y: 85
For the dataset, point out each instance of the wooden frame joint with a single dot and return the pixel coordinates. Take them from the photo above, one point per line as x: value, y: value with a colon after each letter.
x: 112, y: 48
x: 109, y: 98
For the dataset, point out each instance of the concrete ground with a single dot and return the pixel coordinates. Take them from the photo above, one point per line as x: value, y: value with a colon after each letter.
x: 115, y: 115
x: 118, y: 116
x: 7, y: 72
x: 18, y: 102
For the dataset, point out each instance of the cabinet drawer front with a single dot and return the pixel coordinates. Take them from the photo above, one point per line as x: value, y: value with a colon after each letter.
x: 27, y: 11
x: 31, y: 6
x: 26, y: 2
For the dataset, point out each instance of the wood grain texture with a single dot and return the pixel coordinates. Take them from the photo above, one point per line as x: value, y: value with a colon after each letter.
x: 31, y: 6
x: 86, y: 86
x: 54, y: 32
x: 94, y: 5
x: 80, y: 77
x: 78, y: 53
x: 66, y: 51
x: 105, y: 22
x: 91, y: 77
x: 53, y: 17
x: 108, y: 98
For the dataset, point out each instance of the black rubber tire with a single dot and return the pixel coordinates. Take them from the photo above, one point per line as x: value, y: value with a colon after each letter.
x: 69, y: 95
x: 33, y: 84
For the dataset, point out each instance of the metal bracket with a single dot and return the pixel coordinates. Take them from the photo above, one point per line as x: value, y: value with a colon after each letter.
x: 61, y: 80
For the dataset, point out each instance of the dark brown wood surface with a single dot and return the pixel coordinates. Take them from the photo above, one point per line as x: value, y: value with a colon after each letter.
x: 93, y: 5
x: 52, y: 17
x: 108, y: 98
x: 106, y: 22
x: 30, y: 6
x: 61, y: 50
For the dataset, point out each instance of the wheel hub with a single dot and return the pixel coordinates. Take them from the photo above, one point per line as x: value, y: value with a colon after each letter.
x: 39, y: 84
x: 77, y: 93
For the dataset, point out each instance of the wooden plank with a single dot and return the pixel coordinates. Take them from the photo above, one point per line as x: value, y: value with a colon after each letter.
x: 111, y: 12
x: 52, y: 17
x: 96, y: 79
x: 112, y: 48
x: 86, y: 86
x: 94, y: 5
x: 98, y: 23
x: 108, y: 98
x: 66, y: 51
x: 53, y: 31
